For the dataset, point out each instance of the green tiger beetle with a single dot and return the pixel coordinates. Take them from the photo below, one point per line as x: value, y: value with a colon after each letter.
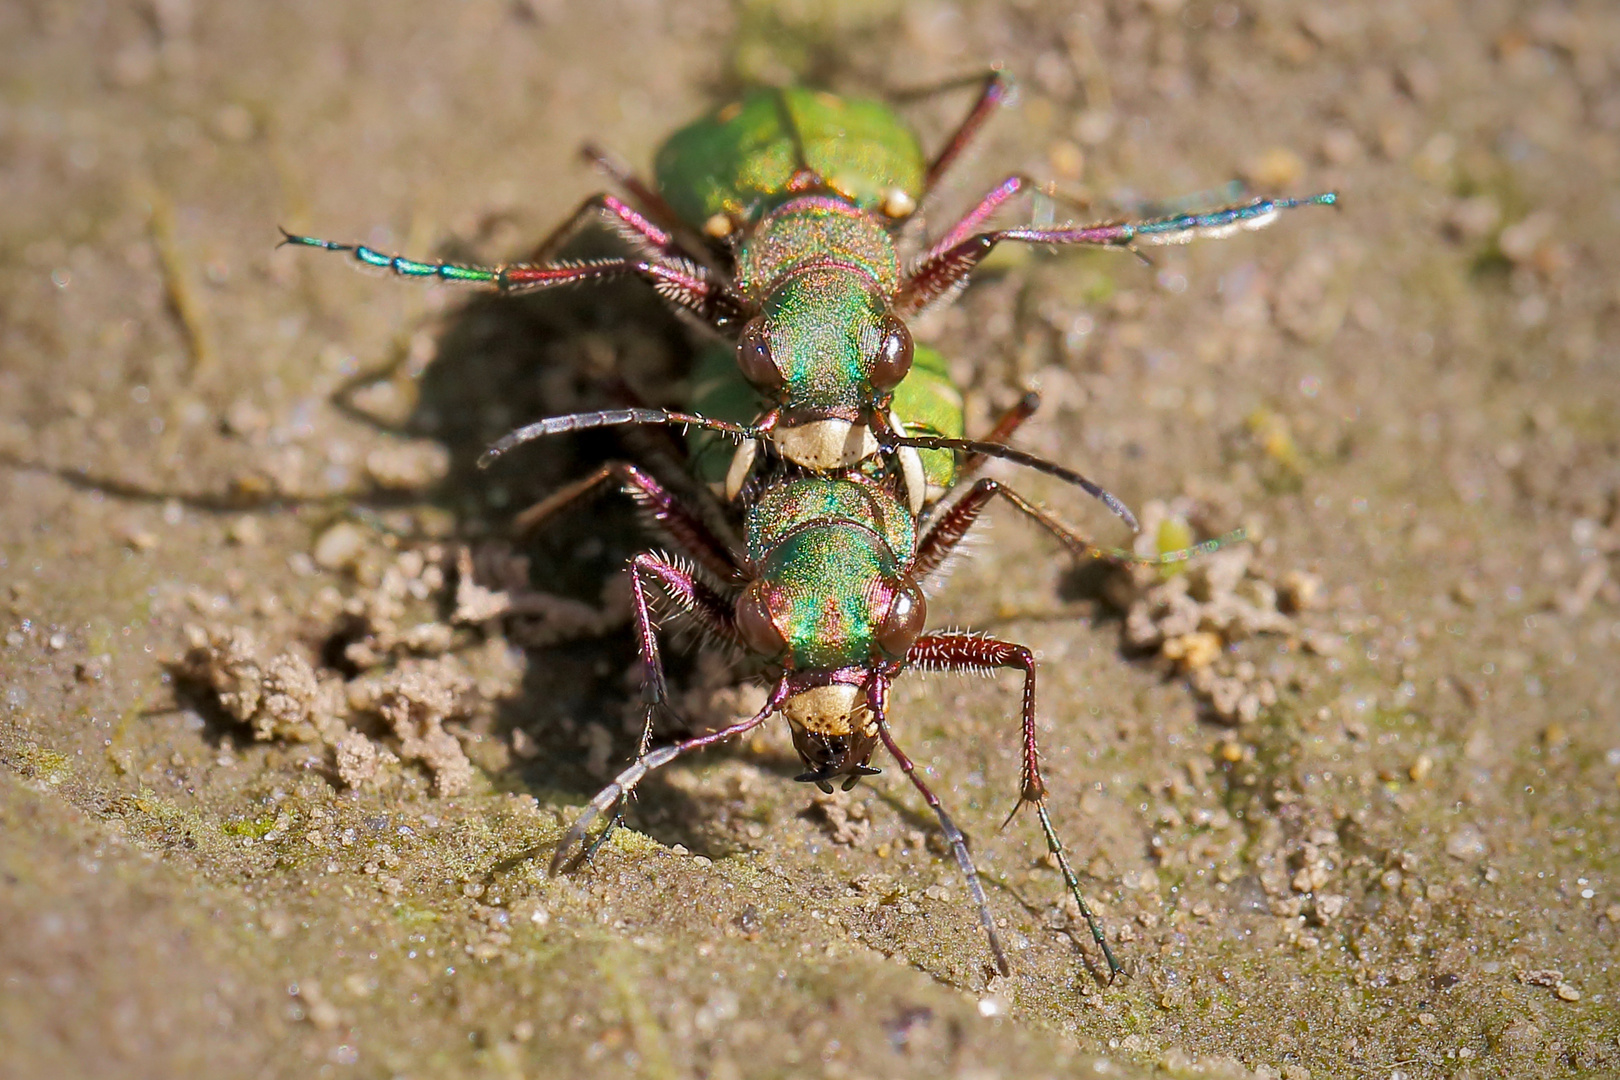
x: 776, y: 221
x: 826, y: 597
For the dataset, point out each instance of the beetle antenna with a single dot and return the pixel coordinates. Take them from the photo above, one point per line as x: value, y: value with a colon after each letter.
x: 586, y: 421
x: 1020, y: 457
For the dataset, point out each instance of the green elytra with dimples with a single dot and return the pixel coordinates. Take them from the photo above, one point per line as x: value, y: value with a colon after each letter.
x: 742, y: 158
x: 778, y: 221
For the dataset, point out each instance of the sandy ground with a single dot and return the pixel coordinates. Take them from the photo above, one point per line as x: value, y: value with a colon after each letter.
x: 276, y: 777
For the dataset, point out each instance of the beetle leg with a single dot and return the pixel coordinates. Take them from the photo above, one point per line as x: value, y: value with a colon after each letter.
x: 680, y: 524
x: 995, y: 89
x: 937, y: 543
x: 1004, y: 429
x: 612, y: 796
x: 625, y: 219
x: 973, y: 653
x: 877, y: 694
x: 946, y: 268
x: 685, y: 285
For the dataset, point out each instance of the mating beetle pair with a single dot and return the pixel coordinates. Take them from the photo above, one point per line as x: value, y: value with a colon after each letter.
x: 778, y: 222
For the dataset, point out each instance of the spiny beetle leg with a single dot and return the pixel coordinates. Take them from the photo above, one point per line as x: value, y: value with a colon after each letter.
x: 944, y: 269
x: 687, y: 286
x: 712, y: 612
x: 972, y: 653
x: 637, y: 188
x: 685, y: 528
x: 627, y: 219
x: 953, y: 836
x: 609, y: 797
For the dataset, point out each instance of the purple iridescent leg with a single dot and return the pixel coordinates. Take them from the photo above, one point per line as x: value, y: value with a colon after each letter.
x: 974, y: 219
x: 687, y: 287
x: 692, y: 534
x: 604, y: 207
x: 945, y: 268
x: 623, y: 785
x: 971, y: 653
x: 713, y: 613
x: 877, y: 697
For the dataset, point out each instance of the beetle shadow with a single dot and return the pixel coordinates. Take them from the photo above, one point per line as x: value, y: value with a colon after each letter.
x: 504, y: 361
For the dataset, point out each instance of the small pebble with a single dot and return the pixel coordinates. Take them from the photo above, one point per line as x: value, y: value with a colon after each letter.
x: 1275, y: 169
x: 1068, y: 161
x: 1520, y: 240
x: 245, y: 532
x: 1466, y: 843
x: 407, y: 466
x: 339, y: 547
x: 1299, y: 591
x: 140, y: 540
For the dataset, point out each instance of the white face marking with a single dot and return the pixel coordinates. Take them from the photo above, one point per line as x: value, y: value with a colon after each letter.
x: 824, y: 445
x: 911, y: 468
x: 898, y: 203
x: 742, y: 462
x: 835, y: 709
x: 718, y: 226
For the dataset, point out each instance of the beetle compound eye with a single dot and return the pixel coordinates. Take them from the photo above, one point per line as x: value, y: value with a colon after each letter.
x: 755, y: 625
x: 754, y: 358
x: 893, y: 359
x: 904, y: 622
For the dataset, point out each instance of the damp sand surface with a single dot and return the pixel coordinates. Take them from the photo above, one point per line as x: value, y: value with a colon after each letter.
x: 290, y: 722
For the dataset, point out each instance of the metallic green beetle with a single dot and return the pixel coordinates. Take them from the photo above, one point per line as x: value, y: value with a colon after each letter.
x: 777, y: 221
x: 825, y: 594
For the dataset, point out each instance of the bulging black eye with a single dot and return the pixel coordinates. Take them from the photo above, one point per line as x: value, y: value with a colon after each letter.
x: 754, y: 358
x: 755, y: 625
x: 893, y: 359
x: 904, y: 621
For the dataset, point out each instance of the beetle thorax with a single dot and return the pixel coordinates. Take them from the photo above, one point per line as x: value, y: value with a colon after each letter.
x: 816, y: 229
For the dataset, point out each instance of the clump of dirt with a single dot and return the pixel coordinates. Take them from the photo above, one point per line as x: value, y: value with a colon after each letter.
x: 393, y: 687
x: 847, y: 820
x: 1195, y: 617
x: 280, y: 699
